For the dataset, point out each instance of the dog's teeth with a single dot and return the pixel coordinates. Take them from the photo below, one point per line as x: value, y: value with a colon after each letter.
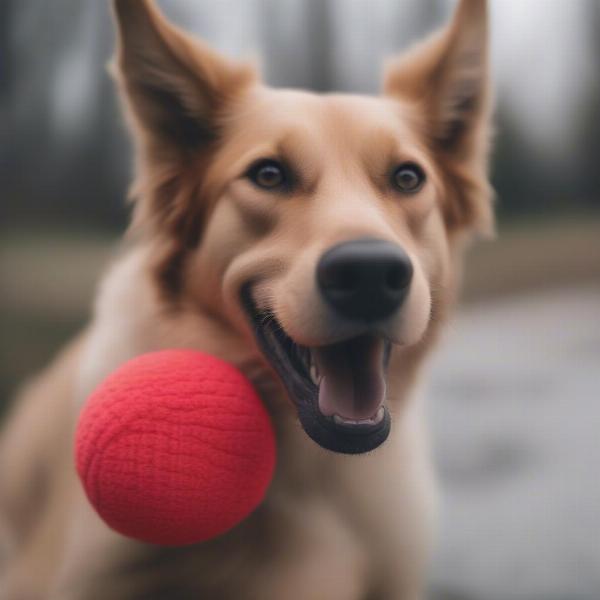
x: 377, y: 418
x: 343, y: 421
x: 313, y: 369
x: 314, y: 374
x: 379, y: 415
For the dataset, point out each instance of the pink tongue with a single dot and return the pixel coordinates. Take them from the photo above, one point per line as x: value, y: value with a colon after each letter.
x: 353, y: 383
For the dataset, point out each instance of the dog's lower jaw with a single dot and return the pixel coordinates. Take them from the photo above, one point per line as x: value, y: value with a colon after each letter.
x: 338, y: 390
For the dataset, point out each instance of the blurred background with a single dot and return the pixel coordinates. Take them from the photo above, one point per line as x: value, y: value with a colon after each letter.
x: 515, y: 389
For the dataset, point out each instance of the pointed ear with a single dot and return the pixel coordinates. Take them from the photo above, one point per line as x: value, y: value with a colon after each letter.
x: 449, y: 74
x: 177, y: 92
x: 447, y: 78
x: 174, y: 85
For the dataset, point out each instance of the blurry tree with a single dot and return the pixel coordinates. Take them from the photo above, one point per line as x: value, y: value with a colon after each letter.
x: 284, y: 28
x: 7, y: 8
x: 514, y: 175
x: 590, y: 118
x: 6, y: 86
x: 527, y: 183
x: 319, y: 30
x: 428, y: 14
x: 66, y: 154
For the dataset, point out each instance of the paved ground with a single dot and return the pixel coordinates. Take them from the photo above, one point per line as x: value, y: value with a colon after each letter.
x: 515, y: 406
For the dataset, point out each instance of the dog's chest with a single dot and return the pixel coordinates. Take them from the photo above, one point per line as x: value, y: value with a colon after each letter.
x: 297, y: 550
x: 354, y: 531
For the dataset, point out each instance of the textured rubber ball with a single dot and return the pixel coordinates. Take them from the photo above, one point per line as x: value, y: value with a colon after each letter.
x: 175, y: 447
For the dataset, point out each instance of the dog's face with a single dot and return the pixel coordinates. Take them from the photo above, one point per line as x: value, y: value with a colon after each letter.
x: 322, y: 225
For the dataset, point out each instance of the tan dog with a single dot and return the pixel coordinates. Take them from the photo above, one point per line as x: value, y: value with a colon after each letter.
x: 312, y: 240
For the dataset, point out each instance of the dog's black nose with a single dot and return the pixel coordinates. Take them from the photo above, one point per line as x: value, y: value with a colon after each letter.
x: 365, y: 279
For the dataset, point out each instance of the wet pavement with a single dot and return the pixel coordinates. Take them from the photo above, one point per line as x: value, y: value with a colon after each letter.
x: 515, y: 407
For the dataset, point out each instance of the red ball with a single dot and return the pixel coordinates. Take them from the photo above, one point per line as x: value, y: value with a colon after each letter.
x: 175, y: 447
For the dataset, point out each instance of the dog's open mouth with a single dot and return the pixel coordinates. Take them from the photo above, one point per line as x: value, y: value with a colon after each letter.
x: 339, y: 390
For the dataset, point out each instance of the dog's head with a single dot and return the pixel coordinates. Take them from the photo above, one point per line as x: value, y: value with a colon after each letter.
x: 325, y: 226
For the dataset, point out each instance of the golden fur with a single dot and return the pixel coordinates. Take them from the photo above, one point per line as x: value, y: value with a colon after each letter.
x: 332, y: 527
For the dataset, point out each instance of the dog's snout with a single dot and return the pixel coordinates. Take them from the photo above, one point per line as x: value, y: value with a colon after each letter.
x: 365, y: 279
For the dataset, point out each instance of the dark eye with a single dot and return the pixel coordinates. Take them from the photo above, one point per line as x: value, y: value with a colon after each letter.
x: 267, y: 174
x: 408, y: 178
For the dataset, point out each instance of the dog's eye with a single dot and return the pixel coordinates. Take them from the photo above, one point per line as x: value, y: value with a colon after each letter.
x: 267, y: 174
x: 408, y: 178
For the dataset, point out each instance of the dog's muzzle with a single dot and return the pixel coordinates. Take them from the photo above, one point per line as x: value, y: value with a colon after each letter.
x: 339, y: 389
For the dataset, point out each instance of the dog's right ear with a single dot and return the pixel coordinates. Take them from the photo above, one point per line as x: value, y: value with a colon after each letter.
x: 447, y: 78
x: 175, y: 86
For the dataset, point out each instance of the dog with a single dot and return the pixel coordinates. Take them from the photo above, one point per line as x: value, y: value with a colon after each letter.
x: 315, y: 242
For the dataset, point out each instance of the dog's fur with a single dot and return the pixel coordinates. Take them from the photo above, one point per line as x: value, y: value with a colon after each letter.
x: 332, y: 526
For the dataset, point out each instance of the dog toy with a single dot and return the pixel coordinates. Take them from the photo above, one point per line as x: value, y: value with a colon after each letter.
x: 174, y: 447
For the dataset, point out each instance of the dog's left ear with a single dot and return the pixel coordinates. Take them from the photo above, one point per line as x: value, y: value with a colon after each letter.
x: 178, y: 93
x: 175, y: 86
x: 447, y: 77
